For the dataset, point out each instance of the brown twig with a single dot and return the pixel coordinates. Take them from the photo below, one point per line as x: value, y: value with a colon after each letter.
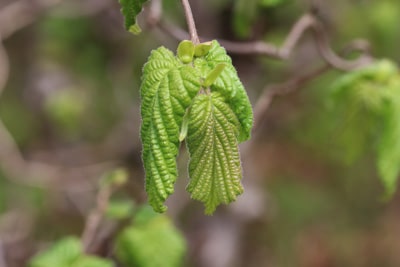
x: 95, y: 217
x: 190, y: 22
x: 271, y: 91
x: 274, y: 90
x: 307, y: 21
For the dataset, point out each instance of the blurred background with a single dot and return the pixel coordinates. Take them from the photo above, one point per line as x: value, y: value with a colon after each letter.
x: 69, y: 110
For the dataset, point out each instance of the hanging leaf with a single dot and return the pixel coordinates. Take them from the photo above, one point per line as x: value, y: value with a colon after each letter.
x: 214, y: 167
x: 150, y: 241
x: 130, y: 9
x: 168, y: 87
x: 229, y: 85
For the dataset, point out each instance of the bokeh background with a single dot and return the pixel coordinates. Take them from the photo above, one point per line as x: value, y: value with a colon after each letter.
x: 71, y: 106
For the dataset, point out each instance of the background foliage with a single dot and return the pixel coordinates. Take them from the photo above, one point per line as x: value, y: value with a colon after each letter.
x: 312, y: 195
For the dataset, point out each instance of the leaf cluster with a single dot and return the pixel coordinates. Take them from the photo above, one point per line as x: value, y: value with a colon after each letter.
x: 195, y: 95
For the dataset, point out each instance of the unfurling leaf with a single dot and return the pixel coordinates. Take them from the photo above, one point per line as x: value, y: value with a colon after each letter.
x: 229, y: 85
x: 130, y: 9
x: 185, y: 51
x: 167, y: 89
x: 199, y: 85
x: 214, y: 167
x: 202, y: 49
x: 214, y: 74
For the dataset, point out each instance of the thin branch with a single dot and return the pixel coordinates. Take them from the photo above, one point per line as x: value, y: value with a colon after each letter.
x: 331, y: 57
x: 95, y: 217
x: 190, y: 21
x: 274, y: 90
x: 307, y: 21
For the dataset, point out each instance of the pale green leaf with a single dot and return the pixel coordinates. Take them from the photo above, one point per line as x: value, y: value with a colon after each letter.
x: 202, y: 49
x: 151, y: 241
x: 167, y: 89
x: 229, y: 85
x: 185, y: 51
x: 130, y: 9
x: 214, y: 167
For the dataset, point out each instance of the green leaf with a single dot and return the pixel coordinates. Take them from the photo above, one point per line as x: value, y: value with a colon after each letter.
x: 151, y: 241
x: 229, y: 85
x: 61, y: 254
x: 185, y: 51
x: 167, y: 89
x: 214, y: 167
x: 214, y: 74
x: 130, y: 9
x: 202, y: 49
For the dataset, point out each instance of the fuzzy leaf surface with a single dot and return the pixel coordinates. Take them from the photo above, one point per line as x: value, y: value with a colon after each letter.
x: 214, y: 168
x: 229, y: 85
x: 168, y: 87
x: 130, y: 9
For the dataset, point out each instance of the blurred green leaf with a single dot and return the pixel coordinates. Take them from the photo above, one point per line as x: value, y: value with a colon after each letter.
x: 117, y: 177
x: 369, y: 98
x: 120, y: 209
x: 67, y: 252
x: 66, y: 108
x: 150, y: 241
x: 130, y: 9
x: 62, y: 254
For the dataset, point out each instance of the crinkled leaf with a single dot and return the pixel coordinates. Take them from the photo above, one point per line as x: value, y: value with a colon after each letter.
x: 130, y: 9
x: 61, y: 254
x: 214, y: 167
x: 152, y: 241
x: 168, y: 87
x: 229, y: 85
